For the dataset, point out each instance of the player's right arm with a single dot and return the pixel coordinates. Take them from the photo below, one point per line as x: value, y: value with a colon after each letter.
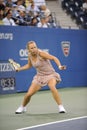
x: 25, y: 67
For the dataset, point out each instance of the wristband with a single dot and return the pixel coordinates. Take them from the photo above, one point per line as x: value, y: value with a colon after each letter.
x: 60, y: 66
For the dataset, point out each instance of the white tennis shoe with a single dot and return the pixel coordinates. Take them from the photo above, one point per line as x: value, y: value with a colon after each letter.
x: 61, y: 109
x: 20, y: 110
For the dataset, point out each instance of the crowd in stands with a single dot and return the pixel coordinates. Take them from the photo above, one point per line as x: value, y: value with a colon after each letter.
x: 33, y: 13
x: 78, y: 11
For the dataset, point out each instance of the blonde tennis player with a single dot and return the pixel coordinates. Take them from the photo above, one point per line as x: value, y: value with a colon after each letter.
x: 46, y: 75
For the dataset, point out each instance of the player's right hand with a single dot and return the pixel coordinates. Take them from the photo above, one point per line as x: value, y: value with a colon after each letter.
x: 17, y: 70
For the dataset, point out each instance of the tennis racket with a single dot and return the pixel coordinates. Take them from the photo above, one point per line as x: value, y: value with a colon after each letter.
x: 14, y: 64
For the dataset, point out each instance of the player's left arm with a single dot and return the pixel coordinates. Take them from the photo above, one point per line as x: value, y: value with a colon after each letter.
x: 51, y: 57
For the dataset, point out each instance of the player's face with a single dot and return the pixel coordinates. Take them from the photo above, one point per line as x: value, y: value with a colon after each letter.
x: 33, y: 49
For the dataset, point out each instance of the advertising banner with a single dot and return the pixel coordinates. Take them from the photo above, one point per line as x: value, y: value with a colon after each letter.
x: 70, y: 46
x: 7, y: 78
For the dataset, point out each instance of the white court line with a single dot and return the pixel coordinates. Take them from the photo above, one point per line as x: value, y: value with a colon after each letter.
x: 72, y: 119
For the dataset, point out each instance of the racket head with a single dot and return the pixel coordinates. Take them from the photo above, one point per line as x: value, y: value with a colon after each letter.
x: 14, y: 64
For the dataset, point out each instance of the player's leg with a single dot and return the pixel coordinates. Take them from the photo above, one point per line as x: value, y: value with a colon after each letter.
x: 56, y: 96
x: 32, y: 90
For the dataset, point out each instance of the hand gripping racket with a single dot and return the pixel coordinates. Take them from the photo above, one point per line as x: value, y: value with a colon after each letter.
x: 14, y: 64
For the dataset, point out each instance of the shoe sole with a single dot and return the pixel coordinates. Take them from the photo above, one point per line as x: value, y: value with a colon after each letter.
x: 18, y: 112
x: 62, y: 112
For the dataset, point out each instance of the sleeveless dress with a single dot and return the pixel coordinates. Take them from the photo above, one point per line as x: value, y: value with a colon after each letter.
x: 45, y: 71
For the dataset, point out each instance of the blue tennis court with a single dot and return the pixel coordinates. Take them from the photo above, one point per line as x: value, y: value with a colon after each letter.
x: 79, y: 123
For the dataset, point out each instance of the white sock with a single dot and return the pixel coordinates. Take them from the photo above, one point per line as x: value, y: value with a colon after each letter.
x: 61, y: 106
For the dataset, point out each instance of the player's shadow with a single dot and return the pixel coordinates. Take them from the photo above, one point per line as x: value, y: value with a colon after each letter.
x: 46, y: 115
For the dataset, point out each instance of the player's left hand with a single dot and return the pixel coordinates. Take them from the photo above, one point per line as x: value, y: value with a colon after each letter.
x: 62, y: 67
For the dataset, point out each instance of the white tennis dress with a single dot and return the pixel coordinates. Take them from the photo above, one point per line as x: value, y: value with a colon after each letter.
x: 45, y: 71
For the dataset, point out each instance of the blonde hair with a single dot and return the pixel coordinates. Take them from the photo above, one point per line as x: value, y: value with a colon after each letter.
x: 30, y: 42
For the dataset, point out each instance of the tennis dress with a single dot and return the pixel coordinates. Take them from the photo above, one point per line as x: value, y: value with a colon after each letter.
x: 45, y: 71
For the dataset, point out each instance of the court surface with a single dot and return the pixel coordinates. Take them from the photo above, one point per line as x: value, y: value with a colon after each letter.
x: 42, y: 112
x: 79, y: 123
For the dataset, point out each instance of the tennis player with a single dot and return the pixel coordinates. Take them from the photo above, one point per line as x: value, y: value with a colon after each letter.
x: 46, y: 75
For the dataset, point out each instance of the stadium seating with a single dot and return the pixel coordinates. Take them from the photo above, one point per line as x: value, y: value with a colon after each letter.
x: 74, y: 9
